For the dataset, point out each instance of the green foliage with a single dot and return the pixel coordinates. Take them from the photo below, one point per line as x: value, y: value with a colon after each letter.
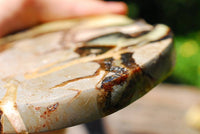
x: 182, y: 16
x: 187, y: 69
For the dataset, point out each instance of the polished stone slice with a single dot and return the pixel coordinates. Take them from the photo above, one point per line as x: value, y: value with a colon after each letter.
x: 65, y: 73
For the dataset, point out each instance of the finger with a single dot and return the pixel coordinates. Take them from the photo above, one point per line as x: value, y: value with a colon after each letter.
x: 16, y: 15
x: 25, y: 13
x: 54, y: 10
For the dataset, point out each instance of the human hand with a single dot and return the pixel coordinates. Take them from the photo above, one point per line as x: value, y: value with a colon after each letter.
x: 20, y: 14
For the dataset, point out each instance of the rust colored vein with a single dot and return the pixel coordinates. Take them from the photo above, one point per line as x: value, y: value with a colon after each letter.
x: 76, y: 79
x: 114, y: 52
x: 78, y: 93
x: 76, y: 61
x: 49, y: 65
x: 9, y: 108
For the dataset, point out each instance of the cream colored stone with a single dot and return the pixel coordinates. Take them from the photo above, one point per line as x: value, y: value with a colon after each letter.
x: 68, y: 77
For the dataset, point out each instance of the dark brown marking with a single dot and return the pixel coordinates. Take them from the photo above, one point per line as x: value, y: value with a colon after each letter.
x: 127, y: 60
x: 131, y: 74
x: 107, y: 83
x: 120, y: 76
x: 113, y: 80
x: 52, y: 107
x: 37, y: 108
x: 118, y: 70
x: 106, y: 64
x: 88, y: 50
x: 104, y: 99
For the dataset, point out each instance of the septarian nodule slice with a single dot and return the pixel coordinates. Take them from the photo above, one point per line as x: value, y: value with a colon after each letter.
x: 65, y: 73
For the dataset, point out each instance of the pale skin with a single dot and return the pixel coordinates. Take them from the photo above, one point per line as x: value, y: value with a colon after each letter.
x: 20, y: 14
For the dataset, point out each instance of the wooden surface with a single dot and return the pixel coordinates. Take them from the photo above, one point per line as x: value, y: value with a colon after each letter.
x: 161, y: 111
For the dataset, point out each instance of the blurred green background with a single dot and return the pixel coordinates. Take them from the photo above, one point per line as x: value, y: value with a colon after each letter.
x: 183, y: 16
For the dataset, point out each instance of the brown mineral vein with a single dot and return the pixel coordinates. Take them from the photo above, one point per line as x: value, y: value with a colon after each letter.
x: 8, y: 107
x: 159, y: 31
x: 75, y: 61
x: 74, y: 98
x: 76, y: 79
